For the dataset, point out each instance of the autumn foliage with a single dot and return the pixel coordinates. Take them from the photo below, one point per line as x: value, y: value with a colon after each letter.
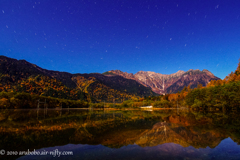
x: 222, y: 94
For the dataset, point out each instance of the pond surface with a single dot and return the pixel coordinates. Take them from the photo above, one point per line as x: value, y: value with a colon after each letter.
x: 114, y: 134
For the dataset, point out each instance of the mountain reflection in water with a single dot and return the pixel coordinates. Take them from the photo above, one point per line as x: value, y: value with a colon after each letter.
x: 133, y: 134
x: 227, y: 149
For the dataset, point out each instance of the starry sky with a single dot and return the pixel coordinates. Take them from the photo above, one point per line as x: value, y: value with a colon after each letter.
x: 89, y: 36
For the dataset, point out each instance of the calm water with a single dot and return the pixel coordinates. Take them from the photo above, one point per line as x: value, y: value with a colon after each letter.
x: 132, y: 134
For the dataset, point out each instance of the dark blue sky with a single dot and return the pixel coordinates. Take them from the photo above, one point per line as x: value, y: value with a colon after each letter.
x: 88, y: 36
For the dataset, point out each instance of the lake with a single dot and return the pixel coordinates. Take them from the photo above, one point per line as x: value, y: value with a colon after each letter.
x: 113, y: 134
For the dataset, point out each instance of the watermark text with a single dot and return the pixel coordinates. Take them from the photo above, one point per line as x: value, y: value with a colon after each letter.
x: 54, y: 153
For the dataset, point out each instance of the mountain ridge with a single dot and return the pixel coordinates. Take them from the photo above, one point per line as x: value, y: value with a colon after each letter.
x: 20, y: 75
x: 115, y: 79
x: 169, y: 83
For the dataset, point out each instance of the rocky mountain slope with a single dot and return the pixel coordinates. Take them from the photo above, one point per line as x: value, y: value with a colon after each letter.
x: 172, y: 83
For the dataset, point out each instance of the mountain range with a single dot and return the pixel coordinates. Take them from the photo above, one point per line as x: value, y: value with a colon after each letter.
x: 172, y: 83
x: 112, y: 86
x: 22, y: 76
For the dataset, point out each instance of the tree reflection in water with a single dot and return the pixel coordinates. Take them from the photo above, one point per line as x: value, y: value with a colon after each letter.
x: 132, y: 134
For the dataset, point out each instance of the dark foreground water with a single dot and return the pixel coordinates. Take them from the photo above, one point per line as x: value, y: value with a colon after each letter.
x: 132, y: 134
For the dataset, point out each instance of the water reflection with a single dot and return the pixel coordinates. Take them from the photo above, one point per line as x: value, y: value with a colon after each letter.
x: 227, y: 149
x: 133, y: 134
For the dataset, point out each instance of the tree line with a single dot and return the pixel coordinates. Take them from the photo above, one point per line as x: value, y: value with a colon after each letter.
x: 15, y: 100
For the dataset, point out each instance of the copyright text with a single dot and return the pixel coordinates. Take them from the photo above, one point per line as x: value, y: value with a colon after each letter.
x: 54, y: 153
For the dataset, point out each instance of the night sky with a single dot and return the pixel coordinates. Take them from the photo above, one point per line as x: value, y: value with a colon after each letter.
x: 91, y: 36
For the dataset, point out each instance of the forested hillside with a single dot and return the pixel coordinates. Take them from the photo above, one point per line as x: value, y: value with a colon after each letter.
x: 224, y: 94
x: 20, y: 76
